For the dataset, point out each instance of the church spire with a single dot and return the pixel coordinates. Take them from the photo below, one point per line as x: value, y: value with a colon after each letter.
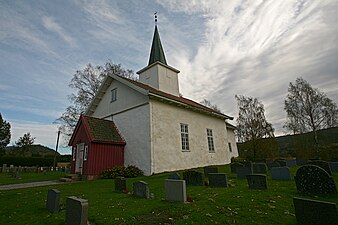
x: 157, y: 52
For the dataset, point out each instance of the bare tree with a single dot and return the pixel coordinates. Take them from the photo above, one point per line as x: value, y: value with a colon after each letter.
x: 207, y: 103
x: 85, y: 84
x: 252, y: 125
x: 309, y: 109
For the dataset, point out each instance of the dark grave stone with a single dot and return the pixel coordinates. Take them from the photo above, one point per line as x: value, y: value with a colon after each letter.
x: 312, y: 179
x: 53, y: 200
x: 333, y: 166
x: 192, y: 177
x: 175, y: 190
x: 174, y: 176
x: 76, y: 211
x: 301, y: 162
x: 313, y: 212
x: 120, y: 184
x: 242, y: 172
x: 141, y: 189
x: 247, y: 164
x: 257, y: 181
x: 210, y: 169
x: 218, y: 180
x: 17, y: 175
x: 280, y: 173
x: 273, y: 164
x: 281, y: 162
x: 291, y: 162
x: 323, y: 164
x: 259, y: 168
x: 234, y: 166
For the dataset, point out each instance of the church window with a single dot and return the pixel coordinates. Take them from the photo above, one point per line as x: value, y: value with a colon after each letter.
x: 230, y: 148
x: 184, y: 137
x: 113, y: 95
x: 210, y: 140
x: 85, y: 156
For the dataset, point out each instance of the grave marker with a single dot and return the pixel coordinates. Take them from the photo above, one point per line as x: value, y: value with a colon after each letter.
x: 333, y: 166
x: 175, y: 190
x: 259, y: 168
x: 291, y: 162
x: 323, y: 164
x: 315, y: 212
x: 53, y: 200
x: 193, y: 178
x: 4, y: 168
x: 141, y: 189
x: 273, y: 164
x: 218, y: 180
x: 174, y: 176
x: 257, y: 181
x: 242, y: 172
x: 210, y: 169
x: 280, y: 173
x: 234, y: 166
x: 281, y: 162
x: 120, y: 184
x: 76, y: 211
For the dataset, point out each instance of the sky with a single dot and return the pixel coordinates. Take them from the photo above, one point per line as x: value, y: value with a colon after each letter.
x: 222, y: 48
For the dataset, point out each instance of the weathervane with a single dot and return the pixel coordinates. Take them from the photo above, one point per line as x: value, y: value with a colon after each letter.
x: 155, y: 15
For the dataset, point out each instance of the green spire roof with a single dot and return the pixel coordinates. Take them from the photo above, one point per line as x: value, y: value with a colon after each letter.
x: 157, y: 53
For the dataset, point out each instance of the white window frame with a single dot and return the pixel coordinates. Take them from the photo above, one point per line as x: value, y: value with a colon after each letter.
x: 85, y: 153
x: 210, y: 138
x: 184, y: 137
x: 230, y: 147
x: 74, y: 153
x: 113, y: 95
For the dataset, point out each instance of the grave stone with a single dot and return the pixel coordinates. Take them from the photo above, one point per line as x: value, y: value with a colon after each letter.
x: 192, y: 177
x: 333, y: 166
x: 242, y: 172
x: 312, y: 179
x: 120, y: 184
x: 76, y: 211
x: 4, y: 168
x: 315, y: 212
x: 234, y: 166
x: 175, y: 190
x: 53, y: 200
x: 174, y: 176
x: 141, y: 189
x: 247, y: 164
x: 280, y: 173
x: 273, y: 164
x: 323, y: 164
x: 259, y: 168
x: 291, y: 162
x: 257, y: 181
x: 210, y: 169
x: 218, y: 180
x: 281, y: 162
x: 301, y: 162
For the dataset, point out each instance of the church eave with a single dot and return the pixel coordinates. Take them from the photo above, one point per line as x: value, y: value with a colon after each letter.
x: 155, y: 63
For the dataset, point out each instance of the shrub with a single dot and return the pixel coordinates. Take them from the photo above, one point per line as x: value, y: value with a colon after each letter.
x: 121, y: 171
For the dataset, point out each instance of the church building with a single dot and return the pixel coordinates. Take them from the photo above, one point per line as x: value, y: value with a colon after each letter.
x: 148, y: 124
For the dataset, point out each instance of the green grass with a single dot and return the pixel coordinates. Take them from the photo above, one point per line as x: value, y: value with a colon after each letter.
x: 5, y: 178
x: 233, y: 205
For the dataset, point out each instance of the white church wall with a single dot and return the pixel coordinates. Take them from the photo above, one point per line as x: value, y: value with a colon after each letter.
x: 167, y: 153
x: 126, y: 98
x: 150, y: 77
x: 232, y: 140
x: 168, y: 80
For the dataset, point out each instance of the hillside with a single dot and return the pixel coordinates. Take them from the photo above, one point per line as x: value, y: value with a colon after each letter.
x: 30, y: 151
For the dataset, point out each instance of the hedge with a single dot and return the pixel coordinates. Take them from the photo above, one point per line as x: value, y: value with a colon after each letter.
x: 26, y: 161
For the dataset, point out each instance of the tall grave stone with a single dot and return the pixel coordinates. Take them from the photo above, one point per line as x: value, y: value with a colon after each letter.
x: 210, y: 169
x: 4, y: 168
x: 242, y: 172
x: 192, y: 177
x: 218, y: 180
x: 234, y: 166
x: 259, y: 168
x: 175, y: 190
x: 141, y: 189
x: 76, y: 211
x: 257, y: 181
x: 53, y: 200
x: 280, y: 173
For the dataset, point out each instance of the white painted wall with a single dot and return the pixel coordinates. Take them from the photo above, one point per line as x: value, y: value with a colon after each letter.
x: 166, y: 138
x: 231, y: 138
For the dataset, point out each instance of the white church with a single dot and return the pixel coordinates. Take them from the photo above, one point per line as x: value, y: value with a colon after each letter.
x: 162, y: 131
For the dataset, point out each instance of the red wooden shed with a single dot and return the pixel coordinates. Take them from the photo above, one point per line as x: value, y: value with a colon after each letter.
x: 96, y: 146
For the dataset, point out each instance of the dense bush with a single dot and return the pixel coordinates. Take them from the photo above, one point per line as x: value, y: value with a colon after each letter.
x: 121, y: 171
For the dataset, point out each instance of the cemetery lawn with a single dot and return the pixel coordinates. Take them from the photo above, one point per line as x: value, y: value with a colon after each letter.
x: 5, y: 178
x: 233, y: 205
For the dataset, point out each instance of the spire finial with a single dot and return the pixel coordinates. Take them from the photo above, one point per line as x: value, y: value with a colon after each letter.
x: 155, y: 15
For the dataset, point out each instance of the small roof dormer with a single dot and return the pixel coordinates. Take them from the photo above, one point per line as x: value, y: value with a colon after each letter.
x: 158, y: 74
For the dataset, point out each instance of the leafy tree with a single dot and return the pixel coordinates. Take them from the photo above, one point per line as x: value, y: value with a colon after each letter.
x: 309, y: 109
x: 252, y: 126
x: 25, y: 140
x: 5, y: 134
x: 207, y: 103
x: 85, y: 84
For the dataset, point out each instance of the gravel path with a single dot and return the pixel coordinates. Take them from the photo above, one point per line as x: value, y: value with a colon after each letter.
x: 28, y: 185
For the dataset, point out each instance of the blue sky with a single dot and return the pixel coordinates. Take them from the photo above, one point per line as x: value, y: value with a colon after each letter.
x: 222, y: 48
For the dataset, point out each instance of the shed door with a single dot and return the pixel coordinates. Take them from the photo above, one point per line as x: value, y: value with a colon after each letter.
x: 79, y: 158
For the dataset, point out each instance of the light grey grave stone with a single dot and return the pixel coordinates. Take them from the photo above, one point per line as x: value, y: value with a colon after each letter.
x: 53, y: 200
x: 257, y: 181
x: 175, y: 190
x: 120, y: 184
x: 76, y: 211
x: 4, y: 168
x: 210, y: 169
x: 141, y: 189
x: 334, y: 166
x: 313, y: 212
x: 174, y: 176
x: 291, y: 162
x: 242, y: 172
x: 280, y: 173
x: 218, y: 180
x: 259, y: 168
